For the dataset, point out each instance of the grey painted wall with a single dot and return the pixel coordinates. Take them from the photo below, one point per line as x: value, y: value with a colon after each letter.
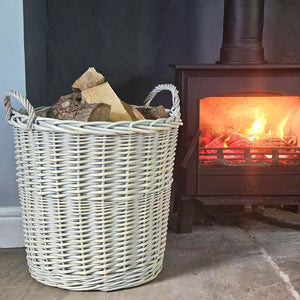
x: 12, y: 76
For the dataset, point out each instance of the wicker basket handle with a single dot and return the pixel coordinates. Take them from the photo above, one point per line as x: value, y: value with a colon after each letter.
x: 175, y: 109
x: 30, y: 109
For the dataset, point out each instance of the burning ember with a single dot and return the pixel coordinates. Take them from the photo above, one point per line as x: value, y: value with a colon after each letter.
x: 257, y: 138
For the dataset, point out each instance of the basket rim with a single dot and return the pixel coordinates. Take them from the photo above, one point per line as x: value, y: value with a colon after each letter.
x: 33, y: 122
x: 20, y: 121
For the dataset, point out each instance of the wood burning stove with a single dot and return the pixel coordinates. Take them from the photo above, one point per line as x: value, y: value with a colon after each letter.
x: 219, y: 161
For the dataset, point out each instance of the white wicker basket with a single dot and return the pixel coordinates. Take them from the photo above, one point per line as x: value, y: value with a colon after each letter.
x: 94, y: 196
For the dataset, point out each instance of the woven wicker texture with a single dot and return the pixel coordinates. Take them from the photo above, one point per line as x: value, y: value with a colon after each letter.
x: 94, y: 196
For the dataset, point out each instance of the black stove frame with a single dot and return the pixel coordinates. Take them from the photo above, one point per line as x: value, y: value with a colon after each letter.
x: 229, y: 185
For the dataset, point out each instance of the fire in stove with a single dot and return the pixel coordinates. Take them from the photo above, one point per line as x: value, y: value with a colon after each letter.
x: 249, y: 130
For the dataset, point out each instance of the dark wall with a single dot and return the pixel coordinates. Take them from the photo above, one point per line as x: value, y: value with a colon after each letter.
x: 133, y: 42
x: 35, y: 42
x: 281, y: 38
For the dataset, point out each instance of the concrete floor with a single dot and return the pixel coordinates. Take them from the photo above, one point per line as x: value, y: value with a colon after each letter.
x: 253, y: 260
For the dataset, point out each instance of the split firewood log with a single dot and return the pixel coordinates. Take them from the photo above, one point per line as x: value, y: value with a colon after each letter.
x: 103, y: 93
x: 232, y: 140
x: 217, y: 142
x: 69, y: 108
x: 153, y: 113
x: 93, y: 112
x: 87, y: 80
x: 241, y: 143
x: 134, y: 113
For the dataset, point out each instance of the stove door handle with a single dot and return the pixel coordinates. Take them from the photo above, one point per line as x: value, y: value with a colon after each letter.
x: 192, y: 145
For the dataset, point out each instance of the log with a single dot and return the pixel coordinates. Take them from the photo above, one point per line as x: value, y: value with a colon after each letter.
x: 69, y: 108
x: 87, y: 80
x: 217, y: 142
x: 134, y: 113
x: 271, y: 144
x: 240, y: 141
x: 77, y: 93
x: 291, y: 140
x: 153, y: 113
x: 65, y: 108
x: 103, y: 93
x: 93, y: 112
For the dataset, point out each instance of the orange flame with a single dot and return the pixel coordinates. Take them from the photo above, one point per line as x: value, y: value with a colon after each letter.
x: 258, y: 127
x: 282, y: 125
x: 225, y: 142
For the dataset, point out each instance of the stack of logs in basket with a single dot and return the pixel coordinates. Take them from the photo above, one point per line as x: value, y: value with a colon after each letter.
x: 93, y: 99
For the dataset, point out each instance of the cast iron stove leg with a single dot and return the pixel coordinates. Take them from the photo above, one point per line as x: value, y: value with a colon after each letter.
x: 186, y: 216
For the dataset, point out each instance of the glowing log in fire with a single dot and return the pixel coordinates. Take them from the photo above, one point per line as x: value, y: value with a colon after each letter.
x: 254, y: 137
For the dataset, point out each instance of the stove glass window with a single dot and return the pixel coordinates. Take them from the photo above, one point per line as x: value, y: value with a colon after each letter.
x: 249, y: 129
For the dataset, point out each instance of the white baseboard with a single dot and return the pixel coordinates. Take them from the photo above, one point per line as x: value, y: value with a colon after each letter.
x: 11, y: 231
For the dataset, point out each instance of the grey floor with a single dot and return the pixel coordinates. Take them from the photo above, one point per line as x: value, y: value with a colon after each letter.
x: 253, y: 260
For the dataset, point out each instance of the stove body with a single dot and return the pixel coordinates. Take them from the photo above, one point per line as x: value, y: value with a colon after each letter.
x: 224, y: 183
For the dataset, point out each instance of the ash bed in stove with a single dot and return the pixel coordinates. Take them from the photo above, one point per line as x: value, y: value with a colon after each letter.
x: 219, y: 102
